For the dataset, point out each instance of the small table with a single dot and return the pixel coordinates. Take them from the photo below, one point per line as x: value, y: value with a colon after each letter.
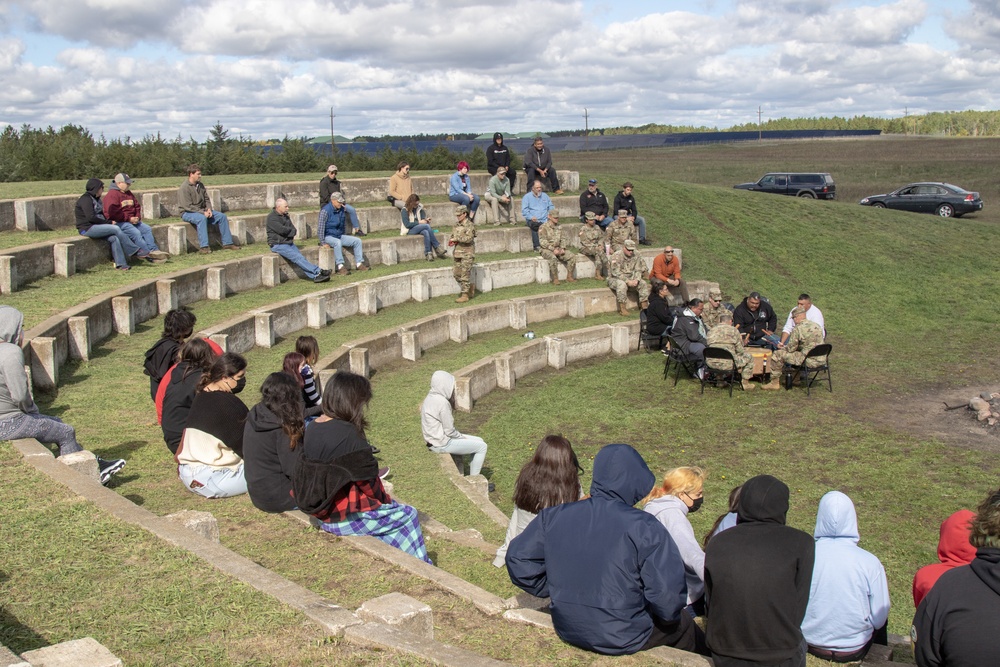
x: 760, y: 357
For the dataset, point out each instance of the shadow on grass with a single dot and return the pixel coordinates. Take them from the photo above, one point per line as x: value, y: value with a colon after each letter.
x: 15, y: 635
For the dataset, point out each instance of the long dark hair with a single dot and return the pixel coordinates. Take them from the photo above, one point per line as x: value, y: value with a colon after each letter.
x: 412, y: 202
x: 345, y: 397
x: 283, y: 397
x: 308, y: 347
x: 225, y: 366
x: 198, y: 354
x: 178, y: 324
x: 290, y: 366
x: 734, y: 505
x: 551, y: 477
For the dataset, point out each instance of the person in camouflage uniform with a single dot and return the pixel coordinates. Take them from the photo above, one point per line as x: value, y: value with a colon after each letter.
x: 714, y: 308
x: 727, y: 337
x: 628, y: 271
x: 463, y: 237
x: 619, y: 230
x: 551, y: 242
x: 592, y: 245
x: 805, y: 336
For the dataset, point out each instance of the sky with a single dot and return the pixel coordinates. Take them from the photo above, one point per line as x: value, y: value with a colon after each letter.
x: 268, y: 69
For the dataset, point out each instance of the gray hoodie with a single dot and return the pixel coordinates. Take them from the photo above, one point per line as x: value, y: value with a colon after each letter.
x: 436, y: 419
x: 15, y: 398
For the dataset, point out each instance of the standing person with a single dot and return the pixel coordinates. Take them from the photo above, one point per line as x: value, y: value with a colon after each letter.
x: 954, y: 550
x: 550, y: 478
x: 460, y: 189
x: 551, y: 242
x: 271, y: 439
x: 538, y: 165
x: 667, y: 267
x: 331, y: 232
x: 90, y: 222
x: 337, y: 477
x: 625, y: 200
x: 498, y: 155
x: 122, y: 207
x: 178, y: 325
x: 281, y: 240
x: 437, y: 423
x: 414, y: 220
x: 956, y: 624
x: 757, y: 577
x: 210, y: 456
x: 849, y: 596
x: 593, y: 201
x: 535, y: 207
x: 613, y: 573
x: 463, y: 240
x: 179, y: 387
x: 592, y: 245
x: 400, y: 185
x: 498, y: 194
x: 330, y: 184
x: 681, y: 493
x: 196, y: 209
x: 627, y: 271
x: 19, y: 416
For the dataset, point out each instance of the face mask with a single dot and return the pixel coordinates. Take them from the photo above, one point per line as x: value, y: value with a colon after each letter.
x: 242, y: 382
x: 696, y: 504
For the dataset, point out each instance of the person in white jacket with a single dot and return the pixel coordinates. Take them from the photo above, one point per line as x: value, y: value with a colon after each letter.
x: 438, y: 425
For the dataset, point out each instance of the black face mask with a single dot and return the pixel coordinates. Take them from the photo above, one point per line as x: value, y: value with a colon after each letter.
x: 242, y: 382
x: 696, y: 504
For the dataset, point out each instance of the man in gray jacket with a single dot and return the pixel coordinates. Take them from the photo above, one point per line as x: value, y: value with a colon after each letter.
x: 196, y: 208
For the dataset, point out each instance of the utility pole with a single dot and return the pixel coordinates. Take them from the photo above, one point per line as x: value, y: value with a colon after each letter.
x: 333, y: 147
x: 586, y: 128
x: 759, y: 133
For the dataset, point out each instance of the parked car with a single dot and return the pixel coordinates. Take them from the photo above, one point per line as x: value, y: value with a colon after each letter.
x: 945, y: 199
x: 815, y: 185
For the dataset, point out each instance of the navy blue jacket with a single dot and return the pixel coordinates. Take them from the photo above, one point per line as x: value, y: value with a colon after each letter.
x: 608, y: 567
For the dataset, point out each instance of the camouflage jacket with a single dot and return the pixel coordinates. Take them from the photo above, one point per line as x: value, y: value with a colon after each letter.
x: 591, y: 239
x: 727, y: 337
x: 464, y: 232
x: 710, y: 314
x: 618, y: 233
x: 550, y: 236
x: 805, y: 336
x: 627, y: 268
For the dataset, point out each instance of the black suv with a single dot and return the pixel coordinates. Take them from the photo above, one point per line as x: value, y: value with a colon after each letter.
x: 817, y: 186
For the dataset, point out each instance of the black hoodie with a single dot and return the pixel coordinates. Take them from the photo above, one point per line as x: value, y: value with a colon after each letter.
x: 497, y: 156
x: 268, y: 461
x: 757, y: 577
x: 159, y: 359
x: 89, y: 211
x: 956, y: 624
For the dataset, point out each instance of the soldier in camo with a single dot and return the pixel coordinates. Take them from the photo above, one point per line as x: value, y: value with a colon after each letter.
x: 805, y: 336
x: 713, y: 308
x: 463, y: 237
x: 727, y: 337
x: 619, y: 230
x: 592, y: 245
x: 550, y: 241
x: 628, y: 271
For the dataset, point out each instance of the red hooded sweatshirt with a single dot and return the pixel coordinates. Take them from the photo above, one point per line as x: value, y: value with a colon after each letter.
x: 954, y: 550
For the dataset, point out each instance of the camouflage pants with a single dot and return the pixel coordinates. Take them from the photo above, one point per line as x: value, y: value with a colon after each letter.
x: 781, y: 357
x: 744, y: 364
x: 600, y: 261
x: 567, y: 259
x: 620, y: 288
x: 462, y: 271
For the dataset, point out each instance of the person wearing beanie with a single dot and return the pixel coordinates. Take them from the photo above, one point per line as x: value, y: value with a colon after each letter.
x: 90, y: 222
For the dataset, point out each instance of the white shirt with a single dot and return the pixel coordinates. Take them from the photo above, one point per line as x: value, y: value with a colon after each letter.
x: 813, y: 315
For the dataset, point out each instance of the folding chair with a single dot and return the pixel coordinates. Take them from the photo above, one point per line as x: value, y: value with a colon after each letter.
x: 677, y: 357
x: 650, y: 341
x: 810, y: 374
x: 730, y: 375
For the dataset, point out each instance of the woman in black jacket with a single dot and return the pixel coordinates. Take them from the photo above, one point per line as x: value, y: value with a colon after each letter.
x: 273, y: 431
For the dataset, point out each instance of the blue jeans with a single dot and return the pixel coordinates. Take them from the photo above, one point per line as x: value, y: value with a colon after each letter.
x: 290, y: 252
x: 462, y: 199
x: 352, y: 243
x: 430, y: 241
x: 201, y: 223
x: 534, y: 235
x: 353, y: 215
x: 771, y: 341
x: 467, y: 444
x: 212, y: 482
x: 640, y: 222
x: 140, y: 234
x: 121, y: 245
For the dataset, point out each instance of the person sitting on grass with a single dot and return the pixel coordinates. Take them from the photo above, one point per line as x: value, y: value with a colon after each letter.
x: 271, y: 439
x: 294, y: 366
x: 178, y: 325
x: 413, y: 221
x: 210, y: 456
x: 954, y: 550
x: 19, y: 416
x: 331, y: 234
x: 726, y: 520
x: 551, y: 477
x: 337, y: 477
x: 308, y: 347
x: 437, y: 423
x: 176, y: 392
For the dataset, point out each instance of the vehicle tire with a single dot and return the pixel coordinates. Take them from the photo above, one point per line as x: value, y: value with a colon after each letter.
x: 807, y: 193
x: 878, y: 204
x: 946, y: 210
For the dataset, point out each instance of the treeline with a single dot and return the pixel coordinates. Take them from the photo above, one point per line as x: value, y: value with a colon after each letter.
x: 73, y: 153
x: 939, y: 123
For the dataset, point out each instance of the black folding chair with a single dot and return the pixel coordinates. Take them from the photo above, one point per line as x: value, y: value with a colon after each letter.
x: 712, y: 375
x: 810, y: 373
x: 650, y: 341
x: 677, y: 358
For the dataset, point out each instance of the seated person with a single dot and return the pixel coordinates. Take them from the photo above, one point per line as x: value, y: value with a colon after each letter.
x: 330, y: 184
x: 122, y: 208
x: 90, y: 222
x: 437, y: 423
x: 690, y: 334
x: 619, y: 231
x: 176, y: 392
x: 196, y: 209
x: 210, y: 456
x: 400, y: 185
x: 726, y: 520
x: 271, y: 443
x: 593, y: 201
x: 331, y: 234
x: 538, y: 165
x: 805, y: 336
x: 337, y: 478
x: 19, y: 416
x: 592, y: 245
x: 625, y: 200
x: 460, y: 189
x: 756, y: 321
x: 725, y: 336
x: 848, y: 597
x: 667, y: 268
x: 294, y: 366
x: 551, y: 243
x: 713, y: 307
x: 178, y: 325
x: 659, y: 314
x: 627, y: 271
x: 281, y: 240
x: 813, y: 314
x: 414, y: 220
x: 551, y: 477
x: 637, y: 594
x: 535, y: 207
x: 498, y: 194
x: 953, y: 551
